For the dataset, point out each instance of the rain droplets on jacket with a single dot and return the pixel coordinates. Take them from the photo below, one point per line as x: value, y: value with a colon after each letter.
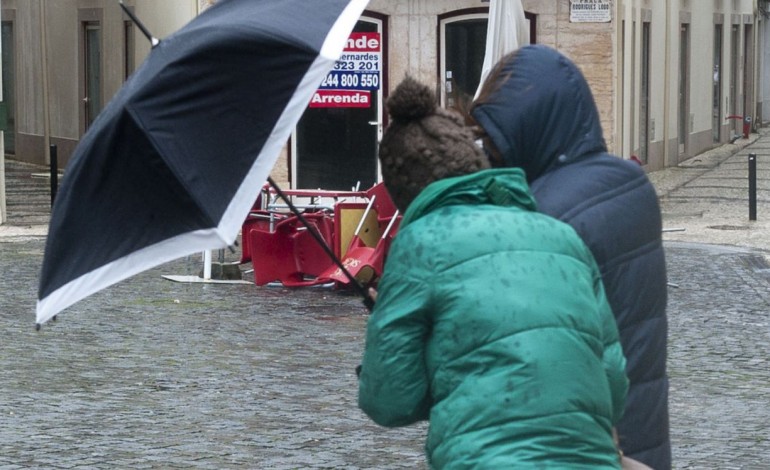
x: 491, y: 321
x: 542, y: 118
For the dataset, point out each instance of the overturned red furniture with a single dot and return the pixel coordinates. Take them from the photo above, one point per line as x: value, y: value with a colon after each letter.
x: 357, y: 226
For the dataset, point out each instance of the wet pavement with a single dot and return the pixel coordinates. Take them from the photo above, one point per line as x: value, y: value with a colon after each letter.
x: 708, y: 195
x: 156, y: 374
x: 151, y: 373
x: 719, y: 353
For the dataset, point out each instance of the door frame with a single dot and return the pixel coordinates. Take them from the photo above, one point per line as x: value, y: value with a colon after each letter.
x: 684, y: 122
x: 749, y: 108
x: 88, y: 16
x: 9, y: 16
x: 381, y: 21
x: 716, y: 86
x: 460, y: 15
x: 444, y: 19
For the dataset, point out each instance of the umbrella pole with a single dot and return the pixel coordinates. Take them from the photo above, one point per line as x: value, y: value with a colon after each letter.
x: 368, y: 301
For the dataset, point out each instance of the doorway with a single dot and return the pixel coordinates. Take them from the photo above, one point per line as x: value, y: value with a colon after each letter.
x: 644, y: 95
x: 734, y: 101
x: 748, y: 76
x: 683, y: 127
x: 716, y: 100
x: 335, y: 147
x: 462, y: 45
x: 463, y: 40
x: 92, y: 72
x: 92, y: 65
x: 8, y: 105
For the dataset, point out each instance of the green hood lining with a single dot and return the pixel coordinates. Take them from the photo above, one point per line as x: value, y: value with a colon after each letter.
x: 505, y: 187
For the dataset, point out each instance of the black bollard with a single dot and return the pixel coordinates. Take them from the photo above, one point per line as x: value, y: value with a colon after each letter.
x: 54, y: 173
x: 752, y: 186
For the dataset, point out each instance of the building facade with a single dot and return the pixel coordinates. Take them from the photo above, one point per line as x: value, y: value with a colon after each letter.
x: 687, y: 77
x: 672, y: 78
x: 62, y: 62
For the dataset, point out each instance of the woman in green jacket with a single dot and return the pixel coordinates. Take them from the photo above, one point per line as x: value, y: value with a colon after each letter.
x: 491, y: 319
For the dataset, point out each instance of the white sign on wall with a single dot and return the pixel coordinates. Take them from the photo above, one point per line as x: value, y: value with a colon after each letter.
x: 590, y: 11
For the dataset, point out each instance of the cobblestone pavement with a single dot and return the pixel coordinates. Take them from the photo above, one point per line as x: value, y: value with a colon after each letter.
x: 707, y: 196
x: 155, y: 374
x: 719, y: 348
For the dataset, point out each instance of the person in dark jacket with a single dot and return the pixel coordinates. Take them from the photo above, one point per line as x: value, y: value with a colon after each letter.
x: 491, y: 320
x: 536, y: 112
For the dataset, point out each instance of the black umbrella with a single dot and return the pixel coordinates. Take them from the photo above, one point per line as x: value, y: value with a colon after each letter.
x: 174, y: 162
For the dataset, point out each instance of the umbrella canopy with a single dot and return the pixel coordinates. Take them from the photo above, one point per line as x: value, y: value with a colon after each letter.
x: 174, y: 162
x: 507, y: 30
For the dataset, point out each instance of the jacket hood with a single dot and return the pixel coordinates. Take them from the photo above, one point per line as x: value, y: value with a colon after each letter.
x: 542, y: 113
x: 500, y: 187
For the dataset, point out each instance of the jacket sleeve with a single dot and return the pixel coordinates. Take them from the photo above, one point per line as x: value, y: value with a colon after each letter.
x: 613, y: 358
x: 394, y: 385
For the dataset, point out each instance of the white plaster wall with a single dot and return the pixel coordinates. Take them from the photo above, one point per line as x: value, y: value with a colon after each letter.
x: 701, y: 68
x: 29, y: 116
x: 161, y: 18
x: 62, y: 55
x: 666, y: 16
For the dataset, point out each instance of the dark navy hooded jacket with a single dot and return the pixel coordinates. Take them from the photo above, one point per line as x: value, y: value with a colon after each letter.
x: 542, y: 117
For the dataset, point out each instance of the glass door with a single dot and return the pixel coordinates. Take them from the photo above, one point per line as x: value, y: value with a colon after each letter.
x: 734, y: 99
x: 8, y: 111
x: 748, y: 78
x: 463, y: 44
x: 336, y: 141
x: 644, y: 95
x: 716, y: 92
x: 684, y: 87
x: 92, y: 71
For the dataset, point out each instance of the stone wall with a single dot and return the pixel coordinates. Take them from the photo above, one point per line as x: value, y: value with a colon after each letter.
x: 589, y: 45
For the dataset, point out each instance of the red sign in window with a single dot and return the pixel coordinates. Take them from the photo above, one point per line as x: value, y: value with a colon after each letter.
x: 341, y: 99
x: 363, y: 42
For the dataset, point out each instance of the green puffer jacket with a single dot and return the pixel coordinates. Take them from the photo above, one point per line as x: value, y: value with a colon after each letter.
x: 491, y: 321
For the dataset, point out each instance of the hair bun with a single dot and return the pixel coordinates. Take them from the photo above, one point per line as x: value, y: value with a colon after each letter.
x: 410, y: 101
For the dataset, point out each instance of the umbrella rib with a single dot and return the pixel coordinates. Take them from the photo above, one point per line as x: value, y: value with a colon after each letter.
x: 153, y: 40
x: 368, y: 301
x: 139, y: 122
